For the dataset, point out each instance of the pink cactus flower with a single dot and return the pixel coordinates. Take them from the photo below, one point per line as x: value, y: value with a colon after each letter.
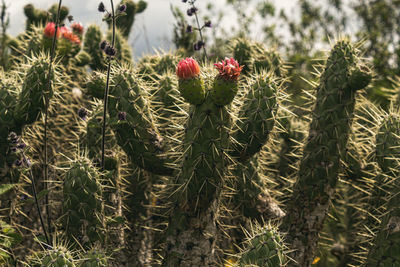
x: 229, y: 69
x: 73, y: 38
x: 50, y: 29
x: 187, y: 68
x: 77, y: 27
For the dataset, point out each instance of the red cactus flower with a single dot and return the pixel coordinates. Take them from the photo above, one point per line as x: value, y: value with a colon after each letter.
x: 64, y: 30
x: 229, y: 69
x: 50, y: 29
x: 70, y: 36
x: 187, y: 68
x: 77, y: 27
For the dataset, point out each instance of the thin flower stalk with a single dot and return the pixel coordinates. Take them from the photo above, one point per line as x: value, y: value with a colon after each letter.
x: 106, y: 91
x: 47, y: 100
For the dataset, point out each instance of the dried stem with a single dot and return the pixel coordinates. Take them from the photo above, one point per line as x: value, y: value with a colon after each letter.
x: 107, y: 89
x: 47, y: 100
x: 200, y: 30
x: 36, y: 199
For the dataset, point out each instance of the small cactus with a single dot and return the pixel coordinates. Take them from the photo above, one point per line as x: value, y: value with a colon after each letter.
x: 82, y: 206
x: 264, y: 248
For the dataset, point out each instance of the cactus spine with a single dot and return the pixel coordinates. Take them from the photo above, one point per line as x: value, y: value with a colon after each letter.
x: 326, y: 145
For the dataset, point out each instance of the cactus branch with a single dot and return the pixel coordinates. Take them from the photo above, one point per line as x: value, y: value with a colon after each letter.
x: 107, y: 89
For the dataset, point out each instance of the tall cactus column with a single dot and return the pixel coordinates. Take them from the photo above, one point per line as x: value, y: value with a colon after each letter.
x: 192, y: 229
x: 386, y: 248
x: 326, y: 144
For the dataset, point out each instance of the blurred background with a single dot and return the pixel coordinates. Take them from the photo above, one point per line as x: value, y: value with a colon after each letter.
x: 300, y: 30
x: 152, y: 29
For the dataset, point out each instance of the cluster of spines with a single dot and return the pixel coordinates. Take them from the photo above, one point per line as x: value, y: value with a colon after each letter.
x: 264, y: 247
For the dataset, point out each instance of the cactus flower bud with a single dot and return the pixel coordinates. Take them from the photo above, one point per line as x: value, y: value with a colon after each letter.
x: 225, y: 84
x: 191, y: 86
x: 122, y: 8
x: 70, y: 36
x: 122, y: 116
x: 50, y: 30
x: 187, y: 69
x: 77, y: 27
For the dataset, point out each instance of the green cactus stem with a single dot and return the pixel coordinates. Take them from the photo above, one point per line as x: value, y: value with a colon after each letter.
x: 386, y: 245
x: 137, y: 135
x: 94, y: 258
x: 92, y: 39
x: 264, y: 248
x: 38, y: 17
x: 191, y: 233
x: 82, y: 207
x: 125, y: 23
x: 256, y: 117
x: 34, y: 92
x: 56, y: 257
x: 251, y: 197
x: 326, y: 145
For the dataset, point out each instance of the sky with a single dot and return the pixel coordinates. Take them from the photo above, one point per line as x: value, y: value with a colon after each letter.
x: 152, y: 29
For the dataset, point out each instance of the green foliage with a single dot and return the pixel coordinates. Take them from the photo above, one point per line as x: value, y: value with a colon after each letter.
x: 182, y: 38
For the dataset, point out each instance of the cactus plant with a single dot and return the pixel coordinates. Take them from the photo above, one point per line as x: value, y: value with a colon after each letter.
x: 192, y: 227
x: 125, y: 23
x: 385, y: 250
x: 264, y: 248
x: 38, y: 17
x: 82, y: 204
x: 326, y: 144
x: 94, y: 258
x: 59, y: 256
